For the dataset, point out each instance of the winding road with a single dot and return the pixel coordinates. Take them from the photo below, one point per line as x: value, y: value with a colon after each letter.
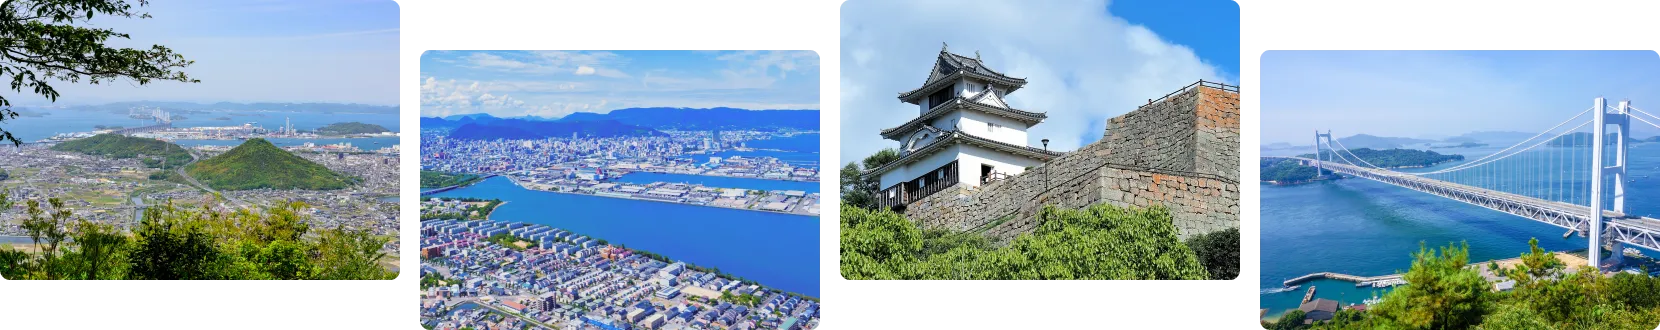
x: 199, y: 184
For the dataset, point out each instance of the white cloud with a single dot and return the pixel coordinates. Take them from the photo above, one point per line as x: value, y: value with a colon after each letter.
x: 1082, y: 65
x: 584, y: 70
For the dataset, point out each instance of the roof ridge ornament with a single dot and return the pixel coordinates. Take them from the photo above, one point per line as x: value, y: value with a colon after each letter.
x: 944, y: 46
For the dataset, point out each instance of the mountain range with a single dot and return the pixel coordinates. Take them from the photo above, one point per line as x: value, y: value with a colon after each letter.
x: 621, y: 122
x: 309, y: 107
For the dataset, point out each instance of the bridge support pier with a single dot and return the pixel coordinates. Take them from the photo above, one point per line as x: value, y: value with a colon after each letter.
x: 1600, y: 147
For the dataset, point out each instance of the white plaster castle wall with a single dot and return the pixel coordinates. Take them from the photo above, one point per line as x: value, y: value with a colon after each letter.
x: 913, y: 170
x: 996, y: 128
x: 972, y: 157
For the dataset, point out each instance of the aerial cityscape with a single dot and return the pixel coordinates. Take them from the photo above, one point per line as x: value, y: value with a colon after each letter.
x: 541, y: 211
x: 989, y: 168
x: 1486, y: 218
x: 185, y: 171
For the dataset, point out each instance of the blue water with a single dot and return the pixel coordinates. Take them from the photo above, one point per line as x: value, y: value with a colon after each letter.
x: 807, y: 143
x: 720, y: 181
x: 1362, y: 227
x: 776, y: 250
x: 367, y: 144
x: 69, y: 121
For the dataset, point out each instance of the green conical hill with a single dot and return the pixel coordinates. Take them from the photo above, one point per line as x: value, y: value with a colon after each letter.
x: 259, y: 164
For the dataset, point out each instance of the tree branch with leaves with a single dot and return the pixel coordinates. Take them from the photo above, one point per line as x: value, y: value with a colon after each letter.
x: 43, y: 41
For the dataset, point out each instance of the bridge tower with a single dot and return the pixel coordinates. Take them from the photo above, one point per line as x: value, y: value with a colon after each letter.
x: 1318, y: 171
x: 1620, y: 118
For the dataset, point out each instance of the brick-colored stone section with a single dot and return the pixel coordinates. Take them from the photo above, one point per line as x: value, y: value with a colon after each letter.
x: 1182, y: 152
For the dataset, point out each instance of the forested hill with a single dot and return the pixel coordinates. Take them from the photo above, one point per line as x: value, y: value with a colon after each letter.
x: 1287, y: 171
x: 257, y: 164
x: 706, y: 119
x: 1392, y: 158
x: 351, y: 128
x: 121, y: 147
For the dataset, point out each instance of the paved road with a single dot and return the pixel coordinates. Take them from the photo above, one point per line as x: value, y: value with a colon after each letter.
x: 198, y: 184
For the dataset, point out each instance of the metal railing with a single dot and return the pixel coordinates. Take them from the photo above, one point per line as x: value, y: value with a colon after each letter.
x: 1197, y: 84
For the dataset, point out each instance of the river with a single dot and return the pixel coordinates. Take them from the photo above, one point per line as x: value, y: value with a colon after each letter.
x: 776, y: 250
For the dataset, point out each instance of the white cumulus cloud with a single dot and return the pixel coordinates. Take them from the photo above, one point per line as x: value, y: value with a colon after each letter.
x: 1082, y: 65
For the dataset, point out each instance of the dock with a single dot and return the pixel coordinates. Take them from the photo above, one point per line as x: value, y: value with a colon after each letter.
x: 1344, y: 277
x: 1308, y: 296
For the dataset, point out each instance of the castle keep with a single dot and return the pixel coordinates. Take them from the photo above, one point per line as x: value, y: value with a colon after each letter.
x: 1180, y: 151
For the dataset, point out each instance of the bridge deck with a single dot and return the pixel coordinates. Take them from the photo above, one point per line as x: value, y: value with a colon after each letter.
x: 1638, y: 231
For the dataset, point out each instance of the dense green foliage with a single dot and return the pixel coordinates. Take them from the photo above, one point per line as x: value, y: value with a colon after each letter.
x: 434, y: 179
x: 1098, y: 242
x: 506, y: 240
x: 173, y: 243
x: 155, y: 153
x: 46, y: 41
x: 257, y: 164
x: 861, y: 192
x: 4, y: 175
x: 1218, y: 251
x: 1288, y: 171
x: 1445, y: 294
x: 1390, y: 158
x: 347, y: 128
x: 471, y: 212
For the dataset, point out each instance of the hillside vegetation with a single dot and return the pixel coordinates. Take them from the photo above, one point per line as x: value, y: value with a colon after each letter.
x: 155, y: 153
x: 1100, y: 242
x: 258, y: 164
x: 351, y: 128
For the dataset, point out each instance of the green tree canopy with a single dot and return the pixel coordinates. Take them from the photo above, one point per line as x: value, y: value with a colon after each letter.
x: 45, y: 41
x: 1441, y: 294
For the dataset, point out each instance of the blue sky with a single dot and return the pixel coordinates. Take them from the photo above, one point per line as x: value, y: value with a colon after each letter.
x: 343, y: 51
x: 1438, y: 94
x: 1084, y: 61
x: 552, y: 84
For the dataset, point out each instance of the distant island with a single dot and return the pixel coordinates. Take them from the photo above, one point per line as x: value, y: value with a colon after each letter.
x: 349, y: 128
x: 1281, y: 171
x: 258, y: 164
x: 1393, y: 158
x: 30, y: 113
x: 118, y: 146
x: 1583, y: 140
x: 1463, y: 145
x: 200, y: 108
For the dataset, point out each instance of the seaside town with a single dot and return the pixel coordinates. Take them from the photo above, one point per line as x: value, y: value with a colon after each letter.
x: 594, y: 165
x: 508, y: 275
x: 158, y: 124
x: 111, y: 191
x: 661, y: 154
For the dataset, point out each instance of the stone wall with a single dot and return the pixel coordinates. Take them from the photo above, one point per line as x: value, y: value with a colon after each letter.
x: 1175, y: 153
x: 1217, y: 133
x: 1157, y: 135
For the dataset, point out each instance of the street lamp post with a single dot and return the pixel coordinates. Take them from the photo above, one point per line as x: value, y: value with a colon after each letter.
x: 1045, y: 168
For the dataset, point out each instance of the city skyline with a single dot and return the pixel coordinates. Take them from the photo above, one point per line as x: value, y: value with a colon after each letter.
x: 553, y: 84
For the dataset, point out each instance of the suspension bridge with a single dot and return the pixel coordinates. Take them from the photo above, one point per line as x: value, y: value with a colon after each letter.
x: 1572, y: 175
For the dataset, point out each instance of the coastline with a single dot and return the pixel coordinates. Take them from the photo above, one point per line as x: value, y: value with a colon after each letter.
x: 724, y: 176
x: 493, y: 210
x: 521, y: 186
